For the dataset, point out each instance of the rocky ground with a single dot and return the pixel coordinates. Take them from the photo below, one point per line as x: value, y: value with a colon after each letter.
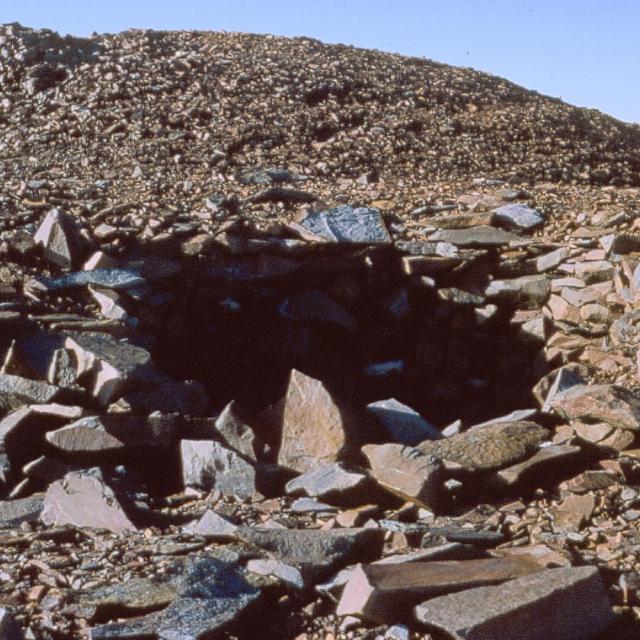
x: 303, y: 341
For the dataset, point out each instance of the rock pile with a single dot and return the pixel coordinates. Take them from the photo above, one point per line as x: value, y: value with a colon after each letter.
x: 284, y: 407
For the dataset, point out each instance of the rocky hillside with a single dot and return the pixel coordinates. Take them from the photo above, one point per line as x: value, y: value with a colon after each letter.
x: 174, y: 114
x: 304, y: 342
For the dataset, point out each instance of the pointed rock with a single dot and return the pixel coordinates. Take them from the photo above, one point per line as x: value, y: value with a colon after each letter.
x: 315, y: 429
x: 82, y: 499
x: 554, y: 604
x: 406, y: 472
x: 384, y: 593
x: 56, y: 234
x: 208, y: 465
x: 235, y: 432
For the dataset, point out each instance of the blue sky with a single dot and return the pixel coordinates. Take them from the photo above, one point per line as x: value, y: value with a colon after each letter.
x: 586, y: 52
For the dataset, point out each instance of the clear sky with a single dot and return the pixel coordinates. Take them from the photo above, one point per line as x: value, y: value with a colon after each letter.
x: 586, y: 52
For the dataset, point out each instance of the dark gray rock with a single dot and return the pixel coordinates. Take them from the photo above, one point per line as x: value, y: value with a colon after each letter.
x: 109, y: 278
x: 518, y: 216
x: 361, y: 225
x: 14, y: 512
x: 235, y: 432
x: 402, y: 423
x: 208, y: 465
x: 31, y: 391
x: 9, y: 628
x: 317, y: 553
x: 211, y: 593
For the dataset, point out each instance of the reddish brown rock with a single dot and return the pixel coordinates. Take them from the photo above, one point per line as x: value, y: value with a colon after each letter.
x: 406, y: 472
x: 315, y: 428
x: 381, y: 592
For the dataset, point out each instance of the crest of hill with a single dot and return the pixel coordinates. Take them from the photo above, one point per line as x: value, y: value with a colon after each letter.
x: 186, y: 106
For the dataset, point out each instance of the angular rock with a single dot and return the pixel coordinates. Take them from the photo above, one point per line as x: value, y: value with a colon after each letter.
x: 361, y: 225
x: 311, y: 505
x: 31, y: 391
x: 384, y: 593
x: 402, y: 423
x: 518, y: 216
x: 235, y: 432
x: 56, y: 234
x: 328, y: 481
x: 530, y: 292
x: 536, y: 468
x: 316, y: 553
x: 111, y: 366
x: 482, y: 236
x: 612, y: 404
x: 406, y: 472
x: 212, y: 525
x: 278, y: 569
x: 108, y: 278
x: 491, y: 447
x: 114, y: 432
x: 14, y: 512
x: 554, y: 604
x: 208, y: 465
x: 315, y: 429
x: 84, y: 500
x: 213, y: 592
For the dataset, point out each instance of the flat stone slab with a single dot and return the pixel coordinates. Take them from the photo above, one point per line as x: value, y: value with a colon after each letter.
x: 360, y: 225
x: 329, y: 480
x: 379, y: 592
x: 316, y: 553
x: 481, y: 236
x: 31, y: 391
x: 84, y: 500
x: 554, y: 604
x: 612, y: 404
x: 490, y: 447
x: 14, y: 512
x: 211, y: 593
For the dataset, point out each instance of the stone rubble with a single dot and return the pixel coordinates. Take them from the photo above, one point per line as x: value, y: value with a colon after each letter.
x: 297, y: 338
